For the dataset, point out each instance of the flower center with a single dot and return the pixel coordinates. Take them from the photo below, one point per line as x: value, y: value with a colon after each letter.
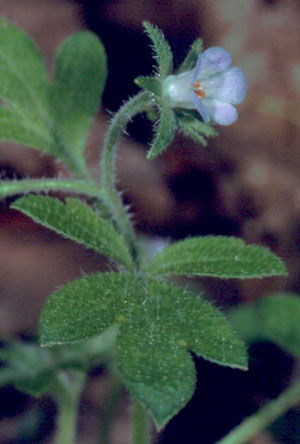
x: 199, y: 90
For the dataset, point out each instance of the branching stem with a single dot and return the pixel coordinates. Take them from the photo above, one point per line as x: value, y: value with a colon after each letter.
x: 140, y: 424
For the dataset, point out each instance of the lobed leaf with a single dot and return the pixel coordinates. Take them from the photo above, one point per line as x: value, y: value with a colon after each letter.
x: 217, y: 256
x: 161, y: 48
x: 52, y: 118
x: 165, y: 133
x: 159, y: 322
x: 274, y: 318
x: 76, y: 221
x: 192, y: 56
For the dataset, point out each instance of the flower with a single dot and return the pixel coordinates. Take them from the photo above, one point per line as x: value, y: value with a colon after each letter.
x: 213, y: 87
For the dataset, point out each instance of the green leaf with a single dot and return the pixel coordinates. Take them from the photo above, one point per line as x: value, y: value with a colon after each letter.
x: 192, y: 56
x: 52, y: 118
x: 161, y: 49
x: 150, y: 84
x: 152, y: 349
x: 160, y: 322
x: 217, y: 256
x: 27, y: 367
x: 165, y: 132
x: 86, y: 307
x: 160, y: 376
x: 23, y: 77
x: 274, y: 318
x: 195, y: 128
x: 16, y: 128
x: 79, y: 79
x: 78, y: 222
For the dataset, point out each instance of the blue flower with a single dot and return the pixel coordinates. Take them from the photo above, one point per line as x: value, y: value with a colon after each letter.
x: 213, y: 87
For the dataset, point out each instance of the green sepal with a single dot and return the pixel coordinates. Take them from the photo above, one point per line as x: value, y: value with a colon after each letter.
x: 77, y: 221
x: 191, y: 126
x: 191, y: 59
x: 165, y: 132
x: 80, y: 73
x: 159, y: 323
x: 274, y: 318
x: 162, y: 51
x: 217, y: 256
x: 151, y: 84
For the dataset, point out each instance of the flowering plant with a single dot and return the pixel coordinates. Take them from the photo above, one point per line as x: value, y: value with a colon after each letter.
x: 151, y: 323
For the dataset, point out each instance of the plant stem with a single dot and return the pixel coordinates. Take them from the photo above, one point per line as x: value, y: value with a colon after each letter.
x: 134, y: 106
x: 68, y: 393
x: 140, y: 424
x: 110, y: 408
x: 251, y: 426
x: 12, y: 187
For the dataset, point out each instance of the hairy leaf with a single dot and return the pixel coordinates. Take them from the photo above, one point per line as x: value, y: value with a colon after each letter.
x: 78, y: 222
x: 165, y: 133
x: 192, y: 56
x: 195, y: 128
x: 86, y: 307
x: 217, y: 256
x: 161, y: 376
x: 159, y: 322
x: 151, y: 84
x: 161, y: 49
x: 79, y: 78
x: 274, y: 318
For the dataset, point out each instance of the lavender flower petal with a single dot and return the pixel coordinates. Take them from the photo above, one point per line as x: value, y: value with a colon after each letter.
x: 214, y: 60
x: 221, y: 112
x: 229, y: 86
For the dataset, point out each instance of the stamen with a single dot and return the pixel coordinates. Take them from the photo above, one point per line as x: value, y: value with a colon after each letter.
x: 199, y: 90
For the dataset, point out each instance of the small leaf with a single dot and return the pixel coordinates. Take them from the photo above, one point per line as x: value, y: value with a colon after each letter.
x: 78, y: 222
x: 161, y: 48
x: 161, y: 377
x: 79, y: 79
x: 165, y: 133
x: 217, y: 256
x: 87, y: 307
x: 192, y: 57
x: 151, y: 84
x: 274, y: 318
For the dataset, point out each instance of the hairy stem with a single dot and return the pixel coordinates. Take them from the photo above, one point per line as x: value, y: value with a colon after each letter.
x: 134, y: 106
x: 251, y: 426
x: 68, y: 393
x: 13, y: 187
x: 140, y: 424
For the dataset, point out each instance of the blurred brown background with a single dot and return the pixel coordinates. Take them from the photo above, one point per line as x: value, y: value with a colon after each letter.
x: 245, y: 183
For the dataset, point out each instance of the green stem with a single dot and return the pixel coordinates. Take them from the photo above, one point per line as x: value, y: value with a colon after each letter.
x: 12, y: 187
x: 251, y: 426
x: 68, y: 394
x: 110, y: 408
x: 134, y: 106
x: 140, y: 424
